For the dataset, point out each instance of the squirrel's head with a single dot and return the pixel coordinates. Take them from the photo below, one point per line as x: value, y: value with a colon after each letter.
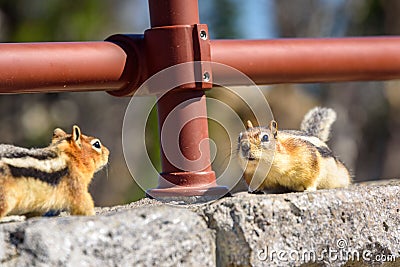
x: 84, y: 152
x: 258, y: 142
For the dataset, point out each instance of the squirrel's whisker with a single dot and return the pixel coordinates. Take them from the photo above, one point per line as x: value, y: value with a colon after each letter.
x: 297, y: 160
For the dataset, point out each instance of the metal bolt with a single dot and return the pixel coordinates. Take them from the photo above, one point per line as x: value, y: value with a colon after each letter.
x: 203, y: 34
x: 206, y: 76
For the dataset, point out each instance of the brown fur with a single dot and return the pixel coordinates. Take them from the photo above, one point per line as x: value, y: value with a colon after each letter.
x: 21, y: 195
x: 288, y: 160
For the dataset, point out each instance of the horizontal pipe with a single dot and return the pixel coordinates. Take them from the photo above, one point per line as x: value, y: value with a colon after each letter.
x: 55, y: 67
x: 115, y: 66
x: 309, y: 60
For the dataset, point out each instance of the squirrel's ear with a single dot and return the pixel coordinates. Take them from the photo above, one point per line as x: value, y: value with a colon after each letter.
x: 273, y: 126
x: 76, y: 135
x: 249, y: 124
x: 57, y: 134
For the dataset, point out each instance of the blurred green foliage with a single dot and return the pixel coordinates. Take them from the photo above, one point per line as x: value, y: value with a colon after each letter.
x: 54, y: 20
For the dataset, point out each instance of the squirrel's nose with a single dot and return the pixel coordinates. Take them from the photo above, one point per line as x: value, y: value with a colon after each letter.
x: 245, y: 148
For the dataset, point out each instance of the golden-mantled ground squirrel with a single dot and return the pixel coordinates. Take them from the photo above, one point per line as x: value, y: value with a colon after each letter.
x: 56, y: 177
x: 295, y: 160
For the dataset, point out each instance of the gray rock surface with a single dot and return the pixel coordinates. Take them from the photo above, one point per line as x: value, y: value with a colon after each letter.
x: 359, y: 226
x: 161, y: 236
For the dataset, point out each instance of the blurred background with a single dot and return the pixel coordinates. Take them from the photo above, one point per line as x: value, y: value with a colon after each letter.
x: 366, y: 135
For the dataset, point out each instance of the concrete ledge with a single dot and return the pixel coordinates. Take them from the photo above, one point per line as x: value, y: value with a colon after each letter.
x: 298, y: 228
x: 158, y: 236
x: 359, y: 226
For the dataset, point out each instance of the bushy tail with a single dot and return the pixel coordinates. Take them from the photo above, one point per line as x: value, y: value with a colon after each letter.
x: 318, y: 121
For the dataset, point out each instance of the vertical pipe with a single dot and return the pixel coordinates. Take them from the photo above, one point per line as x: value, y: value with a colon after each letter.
x: 173, y: 12
x: 189, y: 131
x: 188, y: 172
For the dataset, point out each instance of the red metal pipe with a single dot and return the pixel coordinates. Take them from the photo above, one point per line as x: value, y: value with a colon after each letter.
x: 120, y: 67
x: 310, y: 60
x: 173, y: 12
x: 172, y: 40
x: 189, y: 131
x: 54, y: 67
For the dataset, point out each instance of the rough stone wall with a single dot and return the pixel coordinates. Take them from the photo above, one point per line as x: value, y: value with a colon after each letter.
x: 359, y: 226
x: 271, y: 231
x: 159, y: 236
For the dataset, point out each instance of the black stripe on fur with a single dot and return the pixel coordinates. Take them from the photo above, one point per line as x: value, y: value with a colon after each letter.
x: 9, y: 151
x: 53, y: 178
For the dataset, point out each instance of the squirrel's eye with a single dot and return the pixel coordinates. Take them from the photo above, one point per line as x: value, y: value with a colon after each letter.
x: 97, y: 144
x: 265, y: 138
